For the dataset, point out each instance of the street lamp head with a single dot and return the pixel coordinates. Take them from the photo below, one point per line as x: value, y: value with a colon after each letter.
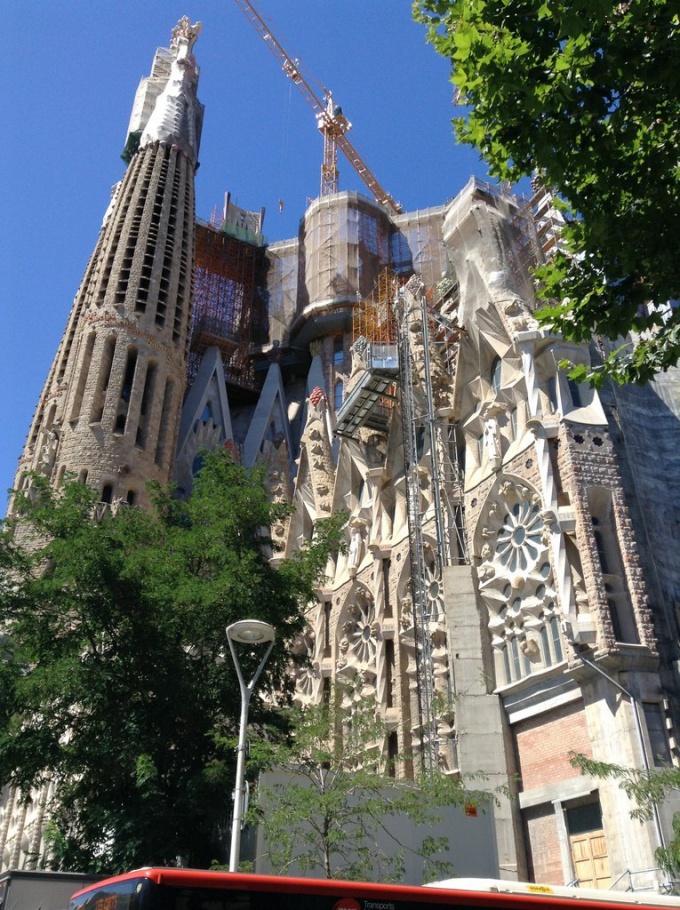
x: 251, y: 632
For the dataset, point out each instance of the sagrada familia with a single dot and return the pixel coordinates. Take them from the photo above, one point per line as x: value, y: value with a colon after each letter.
x: 511, y: 587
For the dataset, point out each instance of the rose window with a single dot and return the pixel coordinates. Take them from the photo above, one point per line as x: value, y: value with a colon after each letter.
x: 519, y: 541
x: 433, y: 591
x: 306, y: 681
x: 362, y: 636
x: 516, y: 582
x: 363, y: 642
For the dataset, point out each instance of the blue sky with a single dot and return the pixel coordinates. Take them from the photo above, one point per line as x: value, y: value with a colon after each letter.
x: 70, y: 71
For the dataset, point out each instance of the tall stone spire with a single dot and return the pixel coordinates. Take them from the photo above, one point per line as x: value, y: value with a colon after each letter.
x: 109, y: 410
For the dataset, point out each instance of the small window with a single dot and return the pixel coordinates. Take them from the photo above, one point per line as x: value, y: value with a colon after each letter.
x: 107, y: 493
x: 556, y: 638
x: 207, y: 412
x: 339, y: 355
x: 496, y: 369
x: 386, y: 563
x: 420, y: 442
x: 480, y: 449
x: 338, y: 394
x: 585, y: 818
x: 327, y: 610
x: 389, y: 673
x: 656, y: 730
x: 575, y: 392
x: 392, y: 753
x: 506, y: 663
x: 545, y: 642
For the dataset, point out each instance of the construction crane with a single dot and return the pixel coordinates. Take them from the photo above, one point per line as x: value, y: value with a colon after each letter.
x: 330, y: 119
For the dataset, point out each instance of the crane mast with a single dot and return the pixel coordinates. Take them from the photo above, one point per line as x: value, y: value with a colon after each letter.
x: 330, y: 119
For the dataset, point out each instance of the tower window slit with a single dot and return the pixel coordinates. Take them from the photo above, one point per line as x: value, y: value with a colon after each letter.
x: 145, y: 405
x: 386, y: 563
x: 608, y: 546
x: 389, y: 673
x: 164, y: 427
x: 126, y: 391
x: 82, y: 377
x: 392, y: 753
x: 103, y: 379
x: 556, y: 638
x: 327, y: 611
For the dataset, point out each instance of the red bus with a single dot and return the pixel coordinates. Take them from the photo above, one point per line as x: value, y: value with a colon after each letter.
x: 192, y: 889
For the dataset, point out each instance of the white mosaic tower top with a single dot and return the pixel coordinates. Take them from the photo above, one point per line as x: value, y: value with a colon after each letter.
x: 166, y: 108
x: 177, y: 116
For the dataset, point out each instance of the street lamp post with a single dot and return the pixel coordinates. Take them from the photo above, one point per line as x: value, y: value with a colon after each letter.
x: 246, y: 632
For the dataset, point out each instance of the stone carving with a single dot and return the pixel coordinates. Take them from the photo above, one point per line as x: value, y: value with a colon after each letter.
x: 440, y: 381
x: 376, y: 449
x: 306, y: 667
x: 406, y: 613
x: 516, y: 581
x: 433, y: 588
x: 185, y: 32
x: 358, y: 351
x: 48, y: 451
x: 315, y: 442
x: 356, y: 546
x: 276, y: 457
x: 359, y: 636
x: 492, y: 442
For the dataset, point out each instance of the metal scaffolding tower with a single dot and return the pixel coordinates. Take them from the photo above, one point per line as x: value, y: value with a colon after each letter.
x: 425, y: 431
x: 385, y: 326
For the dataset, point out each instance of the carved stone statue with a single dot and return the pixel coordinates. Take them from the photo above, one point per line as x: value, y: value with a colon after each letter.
x: 492, y: 441
x: 354, y: 555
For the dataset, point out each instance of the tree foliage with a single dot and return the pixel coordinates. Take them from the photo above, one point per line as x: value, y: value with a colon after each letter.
x: 647, y: 788
x: 334, y: 810
x: 115, y: 679
x: 587, y: 93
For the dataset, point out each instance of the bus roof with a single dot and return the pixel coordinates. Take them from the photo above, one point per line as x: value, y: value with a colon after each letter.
x: 502, y: 886
x: 457, y: 891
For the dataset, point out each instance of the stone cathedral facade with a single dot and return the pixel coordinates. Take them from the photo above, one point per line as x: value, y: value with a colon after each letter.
x: 510, y: 589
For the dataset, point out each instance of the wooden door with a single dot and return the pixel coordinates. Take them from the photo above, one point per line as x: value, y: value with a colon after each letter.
x: 591, y: 862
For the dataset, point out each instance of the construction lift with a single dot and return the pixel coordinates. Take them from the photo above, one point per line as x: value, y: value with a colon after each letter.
x: 330, y: 118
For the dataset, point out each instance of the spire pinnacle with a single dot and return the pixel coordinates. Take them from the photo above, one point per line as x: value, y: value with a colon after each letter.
x: 184, y: 33
x: 177, y: 115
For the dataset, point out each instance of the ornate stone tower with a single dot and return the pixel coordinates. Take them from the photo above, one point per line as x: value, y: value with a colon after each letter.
x: 109, y: 410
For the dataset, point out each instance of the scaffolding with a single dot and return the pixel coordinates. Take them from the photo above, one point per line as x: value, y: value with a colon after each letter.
x: 229, y: 304
x: 427, y: 429
x: 386, y: 324
x: 370, y: 400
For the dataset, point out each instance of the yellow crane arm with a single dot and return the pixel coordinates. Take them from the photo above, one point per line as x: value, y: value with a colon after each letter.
x: 330, y: 119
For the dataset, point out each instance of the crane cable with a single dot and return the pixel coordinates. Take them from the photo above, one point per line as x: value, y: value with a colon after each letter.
x: 285, y: 143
